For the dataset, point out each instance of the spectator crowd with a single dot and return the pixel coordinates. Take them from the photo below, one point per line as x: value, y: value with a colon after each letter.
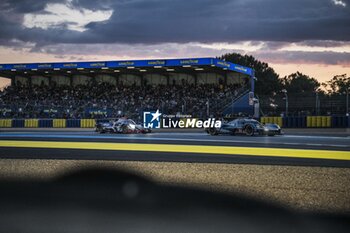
x: 103, y: 100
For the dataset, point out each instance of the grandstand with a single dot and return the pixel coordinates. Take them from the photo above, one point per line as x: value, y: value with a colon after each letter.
x: 201, y: 87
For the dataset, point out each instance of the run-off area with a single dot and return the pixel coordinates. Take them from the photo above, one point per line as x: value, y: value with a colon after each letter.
x: 320, y: 189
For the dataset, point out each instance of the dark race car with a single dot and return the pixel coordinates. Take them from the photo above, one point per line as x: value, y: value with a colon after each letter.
x: 123, y: 126
x: 248, y: 127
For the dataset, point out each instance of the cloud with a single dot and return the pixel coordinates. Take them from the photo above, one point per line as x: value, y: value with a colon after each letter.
x: 291, y: 31
x: 181, y: 21
x: 302, y: 57
x: 339, y: 3
x: 65, y: 14
x: 325, y: 43
x: 25, y: 6
x: 135, y: 51
x: 175, y: 50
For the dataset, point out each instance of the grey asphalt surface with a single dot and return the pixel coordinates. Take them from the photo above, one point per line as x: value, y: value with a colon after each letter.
x: 341, y: 132
x: 312, y: 142
x: 191, y: 138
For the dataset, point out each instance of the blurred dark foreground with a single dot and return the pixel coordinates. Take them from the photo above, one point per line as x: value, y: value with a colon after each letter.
x: 98, y: 200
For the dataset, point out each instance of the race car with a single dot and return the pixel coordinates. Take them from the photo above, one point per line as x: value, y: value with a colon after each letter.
x: 123, y: 126
x: 246, y: 126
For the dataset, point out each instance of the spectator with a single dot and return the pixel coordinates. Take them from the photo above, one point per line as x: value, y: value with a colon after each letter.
x: 74, y: 102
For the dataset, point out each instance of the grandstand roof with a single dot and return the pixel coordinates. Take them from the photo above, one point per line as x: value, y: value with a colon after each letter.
x: 128, y: 66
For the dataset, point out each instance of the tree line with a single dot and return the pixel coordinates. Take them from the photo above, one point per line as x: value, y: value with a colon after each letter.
x: 269, y: 83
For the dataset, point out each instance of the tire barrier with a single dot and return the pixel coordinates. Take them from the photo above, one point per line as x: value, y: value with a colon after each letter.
x: 45, y: 123
x: 285, y: 122
x: 318, y: 121
x: 273, y: 120
x: 185, y: 120
x: 59, y: 123
x: 18, y: 123
x: 31, y: 123
x: 73, y: 123
x: 294, y: 122
x: 5, y: 123
x: 309, y: 121
x: 87, y: 123
x: 340, y: 121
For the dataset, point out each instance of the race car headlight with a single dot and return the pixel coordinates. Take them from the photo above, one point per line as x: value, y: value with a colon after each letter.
x: 266, y: 129
x: 132, y: 126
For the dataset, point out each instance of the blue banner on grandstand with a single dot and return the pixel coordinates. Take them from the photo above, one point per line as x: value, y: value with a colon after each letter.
x: 50, y: 110
x: 5, y: 112
x: 136, y: 64
x: 45, y: 66
x: 190, y: 62
x: 233, y: 67
x: 98, y: 112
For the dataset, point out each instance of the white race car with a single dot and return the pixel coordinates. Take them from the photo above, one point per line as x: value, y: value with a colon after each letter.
x: 122, y: 125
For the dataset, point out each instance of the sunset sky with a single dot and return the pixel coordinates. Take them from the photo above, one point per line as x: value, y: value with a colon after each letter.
x: 310, y: 36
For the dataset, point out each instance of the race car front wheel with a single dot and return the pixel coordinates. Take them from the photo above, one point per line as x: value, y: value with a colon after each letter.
x: 213, y: 131
x: 125, y: 129
x: 249, y: 131
x: 233, y: 132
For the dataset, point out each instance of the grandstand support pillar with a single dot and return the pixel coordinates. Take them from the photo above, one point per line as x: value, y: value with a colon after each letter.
x: 252, y: 82
x: 50, y: 81
x: 29, y: 81
x: 71, y: 80
x: 195, y: 80
x: 142, y: 80
x: 93, y: 80
x: 225, y: 80
x: 117, y: 81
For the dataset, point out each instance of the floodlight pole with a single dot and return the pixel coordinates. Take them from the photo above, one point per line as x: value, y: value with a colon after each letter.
x: 317, y: 103
x: 347, y: 101
x: 286, y: 97
x: 252, y: 81
x: 232, y: 106
x: 252, y: 88
x: 286, y: 104
x: 184, y: 106
x: 162, y: 105
x: 208, y: 108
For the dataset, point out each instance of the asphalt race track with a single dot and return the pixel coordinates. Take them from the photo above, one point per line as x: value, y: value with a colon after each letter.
x: 309, y: 150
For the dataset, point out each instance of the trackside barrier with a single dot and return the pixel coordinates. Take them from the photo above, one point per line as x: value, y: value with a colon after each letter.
x: 87, y: 123
x: 73, y: 123
x: 340, y: 121
x: 273, y: 120
x: 59, y: 123
x: 285, y: 122
x: 31, y: 123
x: 318, y: 121
x: 45, y: 123
x: 185, y: 120
x: 5, y: 123
x: 310, y: 121
x: 294, y: 122
x: 18, y: 123
x: 102, y: 120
